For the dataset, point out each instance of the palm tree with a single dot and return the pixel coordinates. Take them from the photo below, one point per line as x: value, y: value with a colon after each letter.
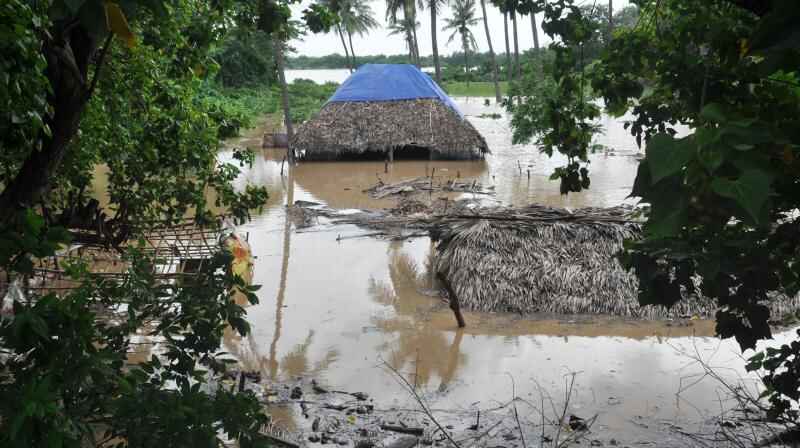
x: 434, y: 6
x: 337, y: 8
x: 535, y: 31
x: 463, y: 17
x: 491, y: 53
x: 509, y: 67
x: 407, y: 26
x: 403, y: 28
x: 350, y: 64
x: 357, y: 17
x: 517, y: 67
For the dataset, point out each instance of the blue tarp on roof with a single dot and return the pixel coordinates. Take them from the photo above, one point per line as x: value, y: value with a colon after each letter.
x: 390, y: 82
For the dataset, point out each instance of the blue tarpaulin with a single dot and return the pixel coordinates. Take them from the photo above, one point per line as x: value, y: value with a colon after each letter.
x: 390, y: 82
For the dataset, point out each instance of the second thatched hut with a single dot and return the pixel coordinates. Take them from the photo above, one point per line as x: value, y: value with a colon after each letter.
x: 388, y: 111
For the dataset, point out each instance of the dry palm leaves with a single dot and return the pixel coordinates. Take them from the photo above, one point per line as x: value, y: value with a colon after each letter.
x: 353, y: 128
x: 426, y: 184
x: 545, y: 260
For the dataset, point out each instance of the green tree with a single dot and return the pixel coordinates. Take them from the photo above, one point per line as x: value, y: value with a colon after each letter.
x: 463, y: 18
x: 86, y: 83
x: 405, y: 26
x: 720, y: 201
x: 356, y: 18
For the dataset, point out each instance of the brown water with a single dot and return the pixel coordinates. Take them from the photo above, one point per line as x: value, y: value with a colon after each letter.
x: 336, y: 309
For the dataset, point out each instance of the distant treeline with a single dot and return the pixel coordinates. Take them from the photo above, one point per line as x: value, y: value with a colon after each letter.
x: 339, y: 61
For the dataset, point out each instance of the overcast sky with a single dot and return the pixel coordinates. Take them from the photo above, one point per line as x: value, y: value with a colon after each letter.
x: 378, y: 40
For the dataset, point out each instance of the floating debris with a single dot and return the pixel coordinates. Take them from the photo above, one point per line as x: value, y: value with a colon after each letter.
x: 426, y: 184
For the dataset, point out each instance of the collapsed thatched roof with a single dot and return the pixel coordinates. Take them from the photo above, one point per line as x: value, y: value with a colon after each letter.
x: 377, y: 126
x: 540, y: 259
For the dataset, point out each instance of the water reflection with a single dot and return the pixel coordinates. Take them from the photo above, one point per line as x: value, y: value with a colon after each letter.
x: 419, y: 349
x: 335, y: 309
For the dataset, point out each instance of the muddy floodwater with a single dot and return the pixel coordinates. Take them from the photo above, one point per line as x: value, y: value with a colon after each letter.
x: 335, y: 306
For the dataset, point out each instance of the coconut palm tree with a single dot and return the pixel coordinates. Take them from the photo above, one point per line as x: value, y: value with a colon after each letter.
x: 491, y: 53
x: 535, y: 31
x: 336, y: 7
x: 463, y: 12
x: 517, y: 67
x: 434, y: 6
x: 509, y: 66
x: 403, y: 27
x: 407, y: 26
x: 357, y: 17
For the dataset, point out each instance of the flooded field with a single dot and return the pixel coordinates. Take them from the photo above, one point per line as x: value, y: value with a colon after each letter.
x: 336, y: 307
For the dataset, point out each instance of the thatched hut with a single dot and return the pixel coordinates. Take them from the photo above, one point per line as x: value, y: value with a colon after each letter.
x: 544, y: 260
x: 388, y: 111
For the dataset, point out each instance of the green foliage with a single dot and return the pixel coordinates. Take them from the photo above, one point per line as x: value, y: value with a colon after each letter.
x: 69, y: 384
x: 556, y: 106
x: 308, y: 98
x: 83, y: 84
x: 23, y: 86
x: 779, y: 369
x: 478, y: 89
x: 244, y: 60
x: 721, y: 202
x: 237, y: 108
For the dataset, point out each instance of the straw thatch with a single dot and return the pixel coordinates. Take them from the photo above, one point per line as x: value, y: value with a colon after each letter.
x: 354, y: 128
x: 544, y: 260
x: 533, y: 259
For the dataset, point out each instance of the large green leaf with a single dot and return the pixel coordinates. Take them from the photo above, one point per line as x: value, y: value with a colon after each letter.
x: 713, y: 112
x: 667, y: 216
x: 750, y: 190
x: 666, y: 156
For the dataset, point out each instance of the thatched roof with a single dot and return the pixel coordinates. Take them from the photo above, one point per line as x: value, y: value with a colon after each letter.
x: 544, y: 260
x: 377, y: 126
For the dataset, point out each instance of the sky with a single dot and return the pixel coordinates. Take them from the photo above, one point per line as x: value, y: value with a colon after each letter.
x: 378, y: 40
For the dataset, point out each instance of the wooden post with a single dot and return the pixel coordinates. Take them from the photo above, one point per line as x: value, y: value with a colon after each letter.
x: 391, y: 154
x: 453, y: 299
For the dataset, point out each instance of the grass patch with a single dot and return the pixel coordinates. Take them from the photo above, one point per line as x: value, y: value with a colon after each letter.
x: 476, y: 88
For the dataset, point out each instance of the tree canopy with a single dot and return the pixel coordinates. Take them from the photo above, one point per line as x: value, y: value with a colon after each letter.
x: 720, y: 206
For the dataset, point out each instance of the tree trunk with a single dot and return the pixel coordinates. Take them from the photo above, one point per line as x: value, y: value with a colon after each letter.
x: 414, y: 28
x: 466, y: 58
x: 352, y: 51
x: 287, y: 115
x: 491, y: 53
x: 517, y: 67
x: 409, y: 37
x: 344, y: 44
x: 509, y: 67
x: 535, y: 31
x: 437, y: 68
x: 610, y: 20
x: 67, y: 70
